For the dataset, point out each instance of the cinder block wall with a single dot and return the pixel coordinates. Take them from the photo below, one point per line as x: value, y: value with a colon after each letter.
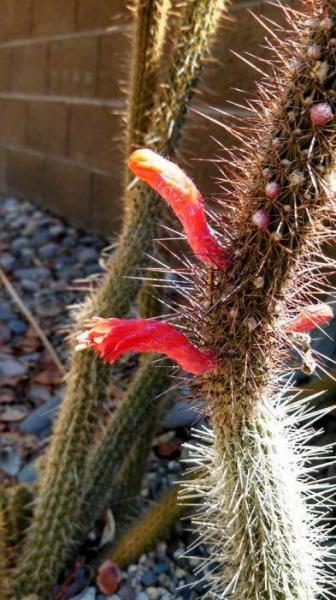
x: 61, y: 63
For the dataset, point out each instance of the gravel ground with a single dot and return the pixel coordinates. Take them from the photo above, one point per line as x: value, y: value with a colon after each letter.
x: 43, y: 257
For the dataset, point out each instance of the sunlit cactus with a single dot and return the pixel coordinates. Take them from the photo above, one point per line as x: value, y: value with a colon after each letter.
x: 257, y: 276
x: 263, y: 515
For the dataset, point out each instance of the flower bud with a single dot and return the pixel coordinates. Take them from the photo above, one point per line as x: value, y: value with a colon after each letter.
x: 314, y: 52
x: 321, y: 113
x: 261, y: 218
x: 272, y: 190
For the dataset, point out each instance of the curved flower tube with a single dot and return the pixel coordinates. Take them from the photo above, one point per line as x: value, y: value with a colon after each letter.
x: 166, y: 178
x: 310, y: 317
x: 113, y: 337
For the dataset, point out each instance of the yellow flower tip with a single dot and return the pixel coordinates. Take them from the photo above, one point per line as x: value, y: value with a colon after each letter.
x: 163, y: 175
x: 95, y: 331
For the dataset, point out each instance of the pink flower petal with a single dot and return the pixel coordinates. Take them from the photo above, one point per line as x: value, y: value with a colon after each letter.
x: 310, y: 317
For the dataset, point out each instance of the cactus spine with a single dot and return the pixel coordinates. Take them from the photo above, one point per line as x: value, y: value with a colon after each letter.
x: 262, y: 514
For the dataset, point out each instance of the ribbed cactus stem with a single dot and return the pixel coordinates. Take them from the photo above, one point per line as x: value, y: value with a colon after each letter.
x: 19, y: 512
x: 264, y: 536
x: 128, y: 484
x: 51, y: 536
x: 150, y: 29
x: 4, y: 555
x: 151, y: 527
x: 124, y: 430
x: 268, y: 261
x: 148, y: 303
x: 260, y: 516
x: 199, y: 23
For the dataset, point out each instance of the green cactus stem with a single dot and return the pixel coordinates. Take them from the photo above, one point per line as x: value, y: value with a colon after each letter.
x: 125, y: 429
x: 4, y: 551
x: 127, y: 486
x: 150, y: 30
x: 263, y: 515
x: 19, y: 510
x: 152, y: 526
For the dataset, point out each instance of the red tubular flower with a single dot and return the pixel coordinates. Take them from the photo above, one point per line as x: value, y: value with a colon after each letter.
x: 309, y: 317
x: 113, y: 337
x: 180, y: 192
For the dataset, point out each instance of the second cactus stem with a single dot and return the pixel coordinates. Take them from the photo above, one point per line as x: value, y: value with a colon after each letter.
x: 263, y: 516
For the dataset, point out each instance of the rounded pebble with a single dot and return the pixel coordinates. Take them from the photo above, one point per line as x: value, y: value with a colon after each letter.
x: 17, y: 326
x: 48, y: 251
x: 8, y: 262
x: 88, y: 255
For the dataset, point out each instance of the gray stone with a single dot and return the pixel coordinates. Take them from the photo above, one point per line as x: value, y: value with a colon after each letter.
x: 65, y: 261
x: 29, y: 285
x: 41, y: 238
x: 87, y: 255
x: 34, y: 273
x: 88, y: 594
x: 10, y: 204
x: 18, y: 222
x: 32, y: 357
x: 5, y: 334
x: 47, y: 308
x: 182, y: 414
x: 7, y: 262
x: 153, y: 593
x: 17, y: 326
x: 38, y: 392
x: 48, y: 251
x: 148, y: 578
x: 19, y: 244
x: 39, y: 421
x: 127, y: 592
x: 6, y: 313
x: 70, y: 240
x: 11, y: 367
x: 10, y: 462
x: 92, y: 269
x: 27, y: 255
x: 56, y: 230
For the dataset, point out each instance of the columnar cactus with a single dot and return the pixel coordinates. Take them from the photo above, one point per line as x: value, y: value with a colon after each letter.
x: 263, y: 515
x: 149, y: 36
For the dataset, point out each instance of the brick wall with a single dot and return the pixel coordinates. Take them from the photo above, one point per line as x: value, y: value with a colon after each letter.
x: 61, y: 63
